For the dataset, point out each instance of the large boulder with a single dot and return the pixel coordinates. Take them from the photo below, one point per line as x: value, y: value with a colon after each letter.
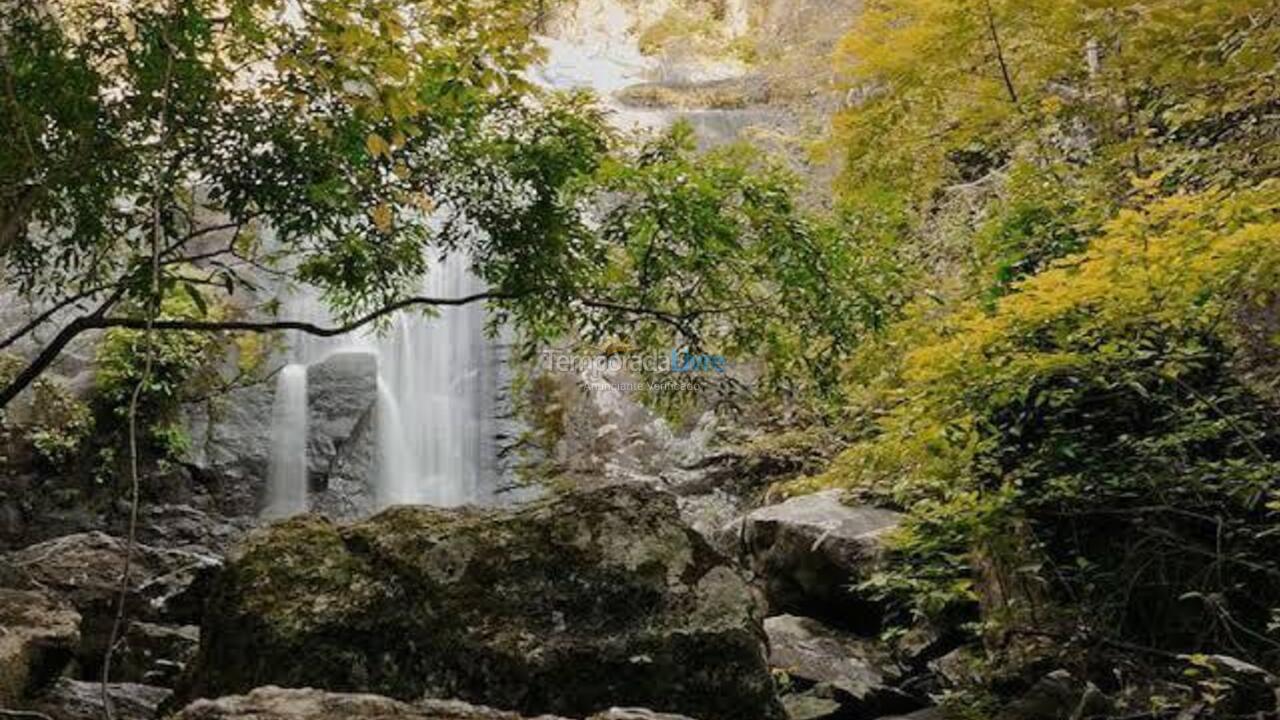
x: 38, y: 638
x: 857, y: 674
x: 81, y: 700
x: 273, y: 703
x: 808, y: 553
x: 567, y: 605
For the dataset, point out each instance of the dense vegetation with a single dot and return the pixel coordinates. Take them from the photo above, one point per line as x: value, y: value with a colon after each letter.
x: 1076, y: 400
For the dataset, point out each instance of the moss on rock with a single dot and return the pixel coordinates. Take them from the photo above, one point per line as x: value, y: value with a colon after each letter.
x: 567, y: 606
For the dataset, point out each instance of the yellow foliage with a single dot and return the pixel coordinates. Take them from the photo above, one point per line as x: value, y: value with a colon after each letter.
x: 1180, y: 263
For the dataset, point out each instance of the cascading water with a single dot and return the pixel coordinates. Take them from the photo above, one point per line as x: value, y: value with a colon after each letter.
x: 438, y: 375
x: 287, y: 471
x: 435, y: 395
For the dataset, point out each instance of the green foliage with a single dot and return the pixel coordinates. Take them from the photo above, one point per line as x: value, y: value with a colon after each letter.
x: 178, y: 360
x: 336, y: 130
x: 1097, y: 398
x: 56, y: 425
x: 715, y: 243
x: 60, y: 423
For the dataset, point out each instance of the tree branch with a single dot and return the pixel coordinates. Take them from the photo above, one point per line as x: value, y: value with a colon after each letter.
x: 305, y: 327
x: 999, y: 50
x: 676, y: 321
x: 98, y: 320
x: 45, y: 316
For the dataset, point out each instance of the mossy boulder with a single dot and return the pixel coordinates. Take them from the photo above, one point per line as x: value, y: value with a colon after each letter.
x: 570, y: 605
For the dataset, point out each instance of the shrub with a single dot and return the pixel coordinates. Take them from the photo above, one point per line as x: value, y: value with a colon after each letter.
x: 1088, y: 433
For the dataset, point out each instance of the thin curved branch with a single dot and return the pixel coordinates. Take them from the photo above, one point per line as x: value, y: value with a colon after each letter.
x: 676, y: 321
x: 305, y: 327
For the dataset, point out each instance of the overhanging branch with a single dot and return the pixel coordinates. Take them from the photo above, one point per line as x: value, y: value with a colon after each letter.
x: 99, y: 320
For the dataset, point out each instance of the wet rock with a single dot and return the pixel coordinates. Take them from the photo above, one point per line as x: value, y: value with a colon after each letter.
x: 79, y: 700
x: 809, y: 551
x: 342, y: 391
x: 232, y: 437
x: 273, y: 703
x: 856, y: 673
x: 567, y: 605
x: 85, y: 570
x: 38, y: 638
x: 231, y: 445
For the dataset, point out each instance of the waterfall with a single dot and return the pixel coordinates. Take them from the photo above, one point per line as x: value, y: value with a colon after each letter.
x: 287, y: 471
x: 436, y: 397
x: 437, y: 376
x: 437, y: 387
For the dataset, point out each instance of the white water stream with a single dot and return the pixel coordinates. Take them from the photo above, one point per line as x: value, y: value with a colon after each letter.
x: 287, y: 475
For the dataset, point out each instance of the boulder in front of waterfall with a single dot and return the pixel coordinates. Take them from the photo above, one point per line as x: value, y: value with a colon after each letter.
x: 38, y: 638
x: 273, y: 703
x: 810, y: 551
x: 342, y: 394
x: 568, y: 605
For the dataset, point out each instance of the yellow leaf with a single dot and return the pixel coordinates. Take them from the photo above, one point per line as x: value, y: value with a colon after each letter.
x: 377, y: 145
x: 382, y: 217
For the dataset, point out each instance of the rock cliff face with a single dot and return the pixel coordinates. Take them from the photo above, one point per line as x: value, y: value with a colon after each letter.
x: 569, y: 605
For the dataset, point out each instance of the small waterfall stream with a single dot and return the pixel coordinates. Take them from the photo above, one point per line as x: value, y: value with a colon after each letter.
x: 287, y: 472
